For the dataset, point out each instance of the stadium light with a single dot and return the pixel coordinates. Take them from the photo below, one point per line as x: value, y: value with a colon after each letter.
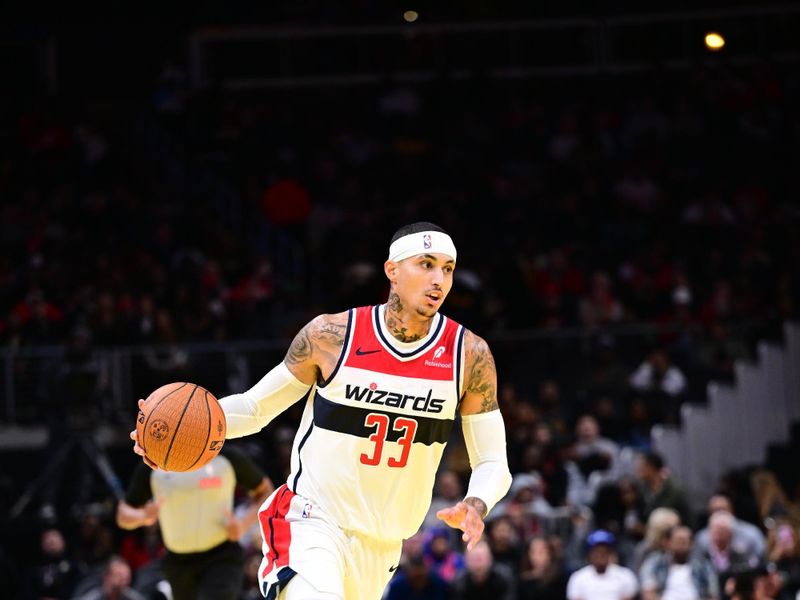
x: 714, y: 41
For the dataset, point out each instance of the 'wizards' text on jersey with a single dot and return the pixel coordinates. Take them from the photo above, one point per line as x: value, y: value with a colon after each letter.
x: 374, y: 432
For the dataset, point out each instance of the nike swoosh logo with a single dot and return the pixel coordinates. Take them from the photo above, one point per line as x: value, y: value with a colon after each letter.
x: 393, y: 569
x: 361, y: 352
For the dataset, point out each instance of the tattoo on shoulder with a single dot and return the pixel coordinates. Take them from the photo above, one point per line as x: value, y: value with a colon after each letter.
x: 332, y: 332
x: 300, y: 350
x: 329, y: 331
x: 482, y: 379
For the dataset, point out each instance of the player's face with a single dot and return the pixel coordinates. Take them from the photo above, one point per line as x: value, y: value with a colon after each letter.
x: 423, y: 282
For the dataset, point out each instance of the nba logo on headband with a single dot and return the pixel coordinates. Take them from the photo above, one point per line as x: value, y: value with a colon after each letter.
x: 431, y: 241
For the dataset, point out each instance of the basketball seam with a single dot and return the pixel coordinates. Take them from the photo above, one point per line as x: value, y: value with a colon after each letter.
x: 208, y: 434
x: 150, y: 414
x: 177, y: 426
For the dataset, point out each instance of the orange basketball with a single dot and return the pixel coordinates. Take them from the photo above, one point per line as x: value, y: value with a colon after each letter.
x: 181, y: 427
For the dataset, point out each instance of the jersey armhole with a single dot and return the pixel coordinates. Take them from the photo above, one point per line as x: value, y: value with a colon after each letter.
x: 459, y: 371
x: 345, y: 349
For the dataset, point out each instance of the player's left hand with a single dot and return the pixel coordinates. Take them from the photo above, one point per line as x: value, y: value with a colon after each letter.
x: 463, y: 516
x: 234, y: 527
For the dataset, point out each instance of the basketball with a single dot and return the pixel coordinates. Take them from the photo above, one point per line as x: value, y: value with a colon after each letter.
x: 181, y: 426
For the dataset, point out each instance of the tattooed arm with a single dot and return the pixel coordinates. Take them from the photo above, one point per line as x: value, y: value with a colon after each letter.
x: 313, y: 353
x: 480, y: 377
x: 316, y: 348
x: 485, y: 438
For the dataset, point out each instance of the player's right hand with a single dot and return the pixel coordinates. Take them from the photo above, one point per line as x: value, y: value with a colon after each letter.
x: 137, y: 448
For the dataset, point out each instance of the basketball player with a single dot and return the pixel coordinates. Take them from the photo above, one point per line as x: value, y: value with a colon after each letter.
x: 382, y: 386
x: 194, y: 512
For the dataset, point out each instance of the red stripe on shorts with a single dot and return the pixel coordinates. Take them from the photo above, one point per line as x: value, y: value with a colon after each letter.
x: 276, y: 530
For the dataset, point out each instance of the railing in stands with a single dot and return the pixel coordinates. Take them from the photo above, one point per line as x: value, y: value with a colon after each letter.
x: 734, y: 429
x: 40, y: 382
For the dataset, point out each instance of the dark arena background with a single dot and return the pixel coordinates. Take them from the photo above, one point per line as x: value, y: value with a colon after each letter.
x: 181, y: 192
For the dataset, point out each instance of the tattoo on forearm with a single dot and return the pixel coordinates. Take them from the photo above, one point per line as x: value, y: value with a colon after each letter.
x: 482, y: 377
x: 300, y: 350
x: 478, y: 504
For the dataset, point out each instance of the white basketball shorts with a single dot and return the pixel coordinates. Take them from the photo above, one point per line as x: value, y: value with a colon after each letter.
x: 299, y: 537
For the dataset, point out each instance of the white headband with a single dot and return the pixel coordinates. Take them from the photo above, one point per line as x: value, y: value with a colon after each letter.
x: 424, y: 242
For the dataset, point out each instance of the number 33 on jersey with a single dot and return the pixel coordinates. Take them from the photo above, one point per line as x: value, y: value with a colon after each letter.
x: 375, y: 430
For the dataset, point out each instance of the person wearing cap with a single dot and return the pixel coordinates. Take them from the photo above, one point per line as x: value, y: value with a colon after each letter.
x: 382, y: 387
x: 601, y: 579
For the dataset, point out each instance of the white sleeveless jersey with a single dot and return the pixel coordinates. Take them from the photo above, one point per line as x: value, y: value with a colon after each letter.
x: 372, y: 435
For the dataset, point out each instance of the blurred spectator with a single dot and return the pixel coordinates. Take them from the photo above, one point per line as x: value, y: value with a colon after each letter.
x: 672, y: 575
x: 551, y: 408
x: 619, y: 509
x: 660, y: 491
x: 586, y: 475
x: 95, y: 543
x: 783, y: 558
x: 657, y: 374
x: 140, y: 547
x: 601, y: 579
x: 656, y: 536
x: 81, y: 383
x: 115, y: 585
x: 524, y: 496
x: 592, y: 449
x: 418, y: 581
x: 633, y: 505
x: 483, y: 578
x: 286, y: 203
x: 166, y: 358
x: 600, y: 307
x: 505, y: 544
x: 727, y: 559
x: 56, y: 573
x: 440, y: 555
x: 745, y: 535
x: 717, y: 353
x: 608, y: 375
x: 770, y: 497
x: 553, y: 471
x: 543, y: 578
x: 753, y: 584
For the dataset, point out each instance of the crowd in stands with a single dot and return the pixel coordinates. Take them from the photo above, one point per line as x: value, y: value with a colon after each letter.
x: 669, y: 201
x: 635, y: 539
x: 652, y: 202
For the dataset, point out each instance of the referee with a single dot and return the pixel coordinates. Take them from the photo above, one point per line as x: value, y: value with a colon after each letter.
x: 195, y: 513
